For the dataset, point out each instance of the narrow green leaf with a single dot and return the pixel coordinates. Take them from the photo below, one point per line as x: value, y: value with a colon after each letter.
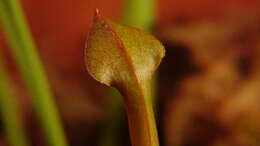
x: 11, y: 117
x: 125, y: 57
x: 26, y: 56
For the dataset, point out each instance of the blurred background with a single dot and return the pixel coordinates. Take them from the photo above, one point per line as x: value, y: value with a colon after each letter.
x: 208, y: 91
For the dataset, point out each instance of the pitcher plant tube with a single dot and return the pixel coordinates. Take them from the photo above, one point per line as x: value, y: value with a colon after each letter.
x: 124, y: 57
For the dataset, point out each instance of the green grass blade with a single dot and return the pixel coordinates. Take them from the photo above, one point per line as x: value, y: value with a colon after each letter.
x: 25, y: 54
x: 11, y: 117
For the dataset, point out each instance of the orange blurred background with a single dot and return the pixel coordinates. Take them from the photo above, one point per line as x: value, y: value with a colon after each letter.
x: 60, y: 26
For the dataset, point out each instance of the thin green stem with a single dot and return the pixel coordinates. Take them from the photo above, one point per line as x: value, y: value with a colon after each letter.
x: 25, y: 54
x: 139, y: 13
x: 110, y: 130
x: 9, y: 111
